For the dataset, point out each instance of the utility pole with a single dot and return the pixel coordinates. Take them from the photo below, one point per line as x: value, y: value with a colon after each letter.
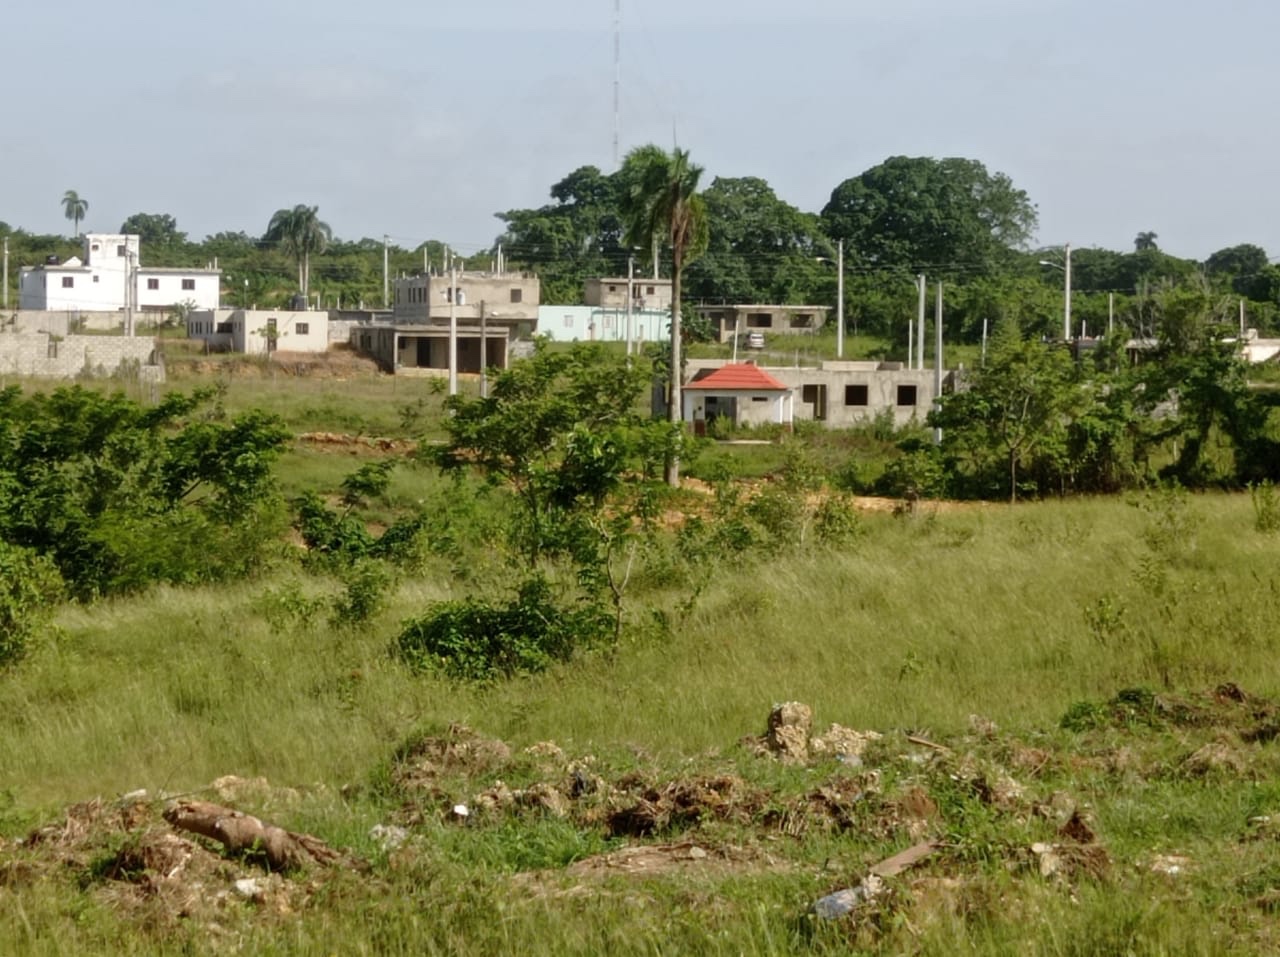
x: 386, y: 272
x: 453, y: 330
x: 1111, y: 312
x: 484, y: 355
x: 910, y: 342
x: 937, y: 360
x: 5, y: 293
x: 631, y: 266
x: 920, y: 323
x: 1066, y: 309
x: 840, y: 299
x: 130, y: 291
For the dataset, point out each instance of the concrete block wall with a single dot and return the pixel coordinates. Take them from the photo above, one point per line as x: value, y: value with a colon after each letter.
x: 33, y: 354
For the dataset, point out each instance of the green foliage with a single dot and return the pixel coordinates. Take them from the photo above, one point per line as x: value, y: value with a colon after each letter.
x: 1266, y: 507
x: 475, y: 639
x: 29, y: 587
x: 1016, y: 405
x: 365, y: 586
x: 915, y: 212
x: 561, y: 430
x: 154, y: 230
x: 119, y: 495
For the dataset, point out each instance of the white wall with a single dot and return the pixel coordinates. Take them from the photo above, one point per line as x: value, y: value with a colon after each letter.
x: 593, y: 324
x: 98, y: 280
x: 206, y: 288
x: 295, y: 331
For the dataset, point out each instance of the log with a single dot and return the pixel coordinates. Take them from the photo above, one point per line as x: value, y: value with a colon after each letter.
x: 242, y: 833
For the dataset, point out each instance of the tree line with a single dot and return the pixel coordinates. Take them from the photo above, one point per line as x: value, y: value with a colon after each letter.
x: 951, y: 218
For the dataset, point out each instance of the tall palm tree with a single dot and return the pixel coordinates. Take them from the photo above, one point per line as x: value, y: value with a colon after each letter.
x: 300, y: 232
x: 74, y: 207
x: 661, y: 207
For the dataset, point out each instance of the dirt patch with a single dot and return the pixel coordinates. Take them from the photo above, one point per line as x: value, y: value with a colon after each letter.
x: 344, y: 442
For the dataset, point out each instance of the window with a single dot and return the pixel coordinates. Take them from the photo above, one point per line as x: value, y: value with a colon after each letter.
x: 153, y: 283
x: 95, y: 278
x: 224, y: 328
x: 303, y: 328
x: 120, y: 250
x: 568, y: 322
x: 759, y: 320
x: 68, y: 282
x: 759, y: 398
x: 93, y: 248
x: 188, y: 284
x: 906, y: 395
x: 517, y: 295
x: 613, y: 288
x: 648, y: 290
x: 802, y: 321
x: 855, y: 395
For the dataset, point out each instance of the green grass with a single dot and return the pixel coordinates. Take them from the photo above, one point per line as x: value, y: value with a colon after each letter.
x: 1017, y: 614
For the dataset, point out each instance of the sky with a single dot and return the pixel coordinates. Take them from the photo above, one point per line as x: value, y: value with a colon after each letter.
x: 421, y: 120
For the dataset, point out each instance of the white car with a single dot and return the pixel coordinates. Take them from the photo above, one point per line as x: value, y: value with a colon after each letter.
x: 755, y: 340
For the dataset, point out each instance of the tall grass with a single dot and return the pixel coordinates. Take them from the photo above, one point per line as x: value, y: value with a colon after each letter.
x: 925, y: 621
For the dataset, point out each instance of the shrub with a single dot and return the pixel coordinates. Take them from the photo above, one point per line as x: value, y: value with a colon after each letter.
x: 1266, y: 507
x: 367, y: 582
x: 29, y: 585
x: 476, y: 640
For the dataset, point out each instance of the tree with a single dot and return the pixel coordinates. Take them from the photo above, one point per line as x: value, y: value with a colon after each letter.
x: 576, y: 238
x: 1015, y: 404
x: 154, y: 229
x: 661, y: 206
x: 559, y: 430
x: 74, y: 207
x: 300, y: 232
x: 1246, y: 267
x: 760, y: 248
x: 914, y: 212
x: 1145, y: 241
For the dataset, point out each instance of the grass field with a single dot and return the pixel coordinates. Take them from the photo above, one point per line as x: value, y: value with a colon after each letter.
x: 1147, y: 822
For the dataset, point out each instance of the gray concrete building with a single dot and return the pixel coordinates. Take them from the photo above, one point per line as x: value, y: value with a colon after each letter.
x: 742, y: 320
x: 839, y: 394
x: 647, y: 294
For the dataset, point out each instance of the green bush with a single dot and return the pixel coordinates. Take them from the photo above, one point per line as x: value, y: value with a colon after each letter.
x: 29, y: 585
x: 476, y: 640
x: 1266, y: 507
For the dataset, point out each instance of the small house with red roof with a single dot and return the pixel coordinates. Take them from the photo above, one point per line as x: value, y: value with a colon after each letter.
x: 739, y: 391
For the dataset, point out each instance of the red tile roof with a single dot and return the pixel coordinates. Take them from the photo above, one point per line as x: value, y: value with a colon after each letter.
x: 738, y: 376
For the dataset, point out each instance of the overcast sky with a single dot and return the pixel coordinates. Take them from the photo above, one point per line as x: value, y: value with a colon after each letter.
x: 422, y: 119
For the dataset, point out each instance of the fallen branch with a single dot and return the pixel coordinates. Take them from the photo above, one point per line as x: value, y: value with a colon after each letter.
x: 926, y: 743
x: 242, y: 833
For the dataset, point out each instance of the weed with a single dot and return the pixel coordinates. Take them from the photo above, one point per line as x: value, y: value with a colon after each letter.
x: 1266, y: 507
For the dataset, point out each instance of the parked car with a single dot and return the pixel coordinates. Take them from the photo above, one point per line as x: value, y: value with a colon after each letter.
x: 755, y: 340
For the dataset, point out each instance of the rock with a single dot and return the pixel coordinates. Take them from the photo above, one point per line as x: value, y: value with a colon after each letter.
x: 788, y: 734
x: 545, y: 749
x: 251, y: 888
x: 844, y: 743
x: 388, y: 836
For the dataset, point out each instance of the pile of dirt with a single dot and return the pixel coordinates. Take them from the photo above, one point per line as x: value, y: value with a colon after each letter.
x: 345, y: 442
x: 125, y: 855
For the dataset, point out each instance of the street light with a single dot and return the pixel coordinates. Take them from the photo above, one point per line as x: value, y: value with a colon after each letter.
x: 1065, y: 266
x: 839, y: 264
x: 246, y: 294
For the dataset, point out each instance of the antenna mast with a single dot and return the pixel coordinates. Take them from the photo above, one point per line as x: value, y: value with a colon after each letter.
x: 617, y: 76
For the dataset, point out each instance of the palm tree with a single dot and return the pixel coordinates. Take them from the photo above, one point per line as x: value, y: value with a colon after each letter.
x: 661, y: 206
x: 74, y: 207
x: 1145, y: 241
x: 300, y: 232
